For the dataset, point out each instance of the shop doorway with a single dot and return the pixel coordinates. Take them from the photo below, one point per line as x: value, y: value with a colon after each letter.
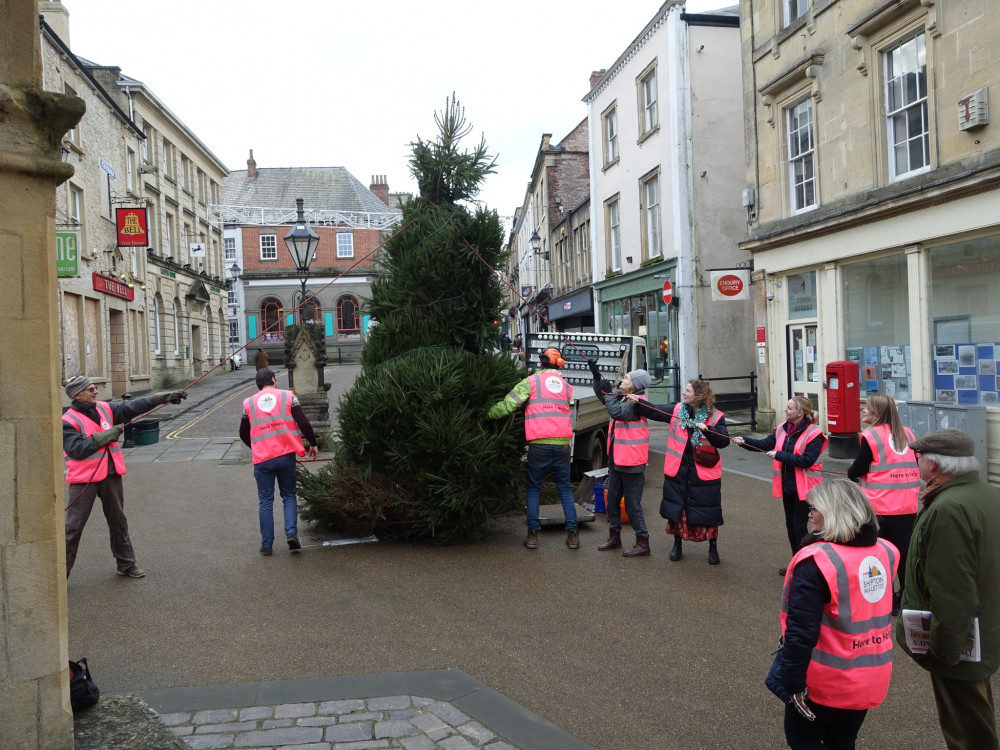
x: 803, y: 363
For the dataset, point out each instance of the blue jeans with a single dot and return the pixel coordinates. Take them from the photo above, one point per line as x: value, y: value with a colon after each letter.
x: 281, y: 468
x: 541, y: 458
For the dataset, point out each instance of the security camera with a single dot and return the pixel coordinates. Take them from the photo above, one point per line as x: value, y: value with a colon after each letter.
x: 770, y: 296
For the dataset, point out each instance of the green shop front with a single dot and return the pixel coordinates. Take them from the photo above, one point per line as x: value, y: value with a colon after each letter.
x: 635, y: 304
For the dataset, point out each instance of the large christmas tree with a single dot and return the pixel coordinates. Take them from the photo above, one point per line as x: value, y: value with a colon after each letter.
x: 416, y: 457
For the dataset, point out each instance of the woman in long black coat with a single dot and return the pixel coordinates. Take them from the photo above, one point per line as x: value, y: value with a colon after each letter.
x: 692, y: 489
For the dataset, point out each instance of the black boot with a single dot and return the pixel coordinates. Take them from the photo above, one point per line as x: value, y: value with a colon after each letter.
x: 713, y: 552
x: 675, y: 553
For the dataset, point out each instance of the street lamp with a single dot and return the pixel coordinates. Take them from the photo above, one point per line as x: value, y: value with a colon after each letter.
x: 301, y: 243
x: 234, y: 273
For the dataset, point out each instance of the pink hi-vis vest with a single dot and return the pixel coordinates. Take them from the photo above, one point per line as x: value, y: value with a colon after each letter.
x: 631, y: 441
x: 805, y: 479
x: 547, y: 412
x: 892, y: 483
x: 273, y: 431
x: 851, y: 663
x: 677, y: 440
x: 93, y: 468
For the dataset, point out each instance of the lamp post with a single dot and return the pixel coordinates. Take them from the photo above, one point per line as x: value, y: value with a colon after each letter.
x: 301, y: 243
x: 234, y: 273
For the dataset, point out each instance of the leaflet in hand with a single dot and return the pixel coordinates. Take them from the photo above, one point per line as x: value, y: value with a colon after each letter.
x: 917, y: 626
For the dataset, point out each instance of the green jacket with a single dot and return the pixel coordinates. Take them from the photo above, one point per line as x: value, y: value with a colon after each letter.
x: 953, y: 570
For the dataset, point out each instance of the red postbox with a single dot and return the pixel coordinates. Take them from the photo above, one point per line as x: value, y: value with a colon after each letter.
x: 843, y: 398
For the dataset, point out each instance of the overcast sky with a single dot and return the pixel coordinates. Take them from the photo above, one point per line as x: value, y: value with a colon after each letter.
x: 351, y: 84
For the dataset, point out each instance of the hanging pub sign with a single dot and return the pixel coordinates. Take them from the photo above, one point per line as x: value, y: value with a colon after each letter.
x: 132, y: 227
x: 114, y: 287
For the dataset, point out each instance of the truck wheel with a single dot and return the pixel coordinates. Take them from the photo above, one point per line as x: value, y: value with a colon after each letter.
x: 598, y: 459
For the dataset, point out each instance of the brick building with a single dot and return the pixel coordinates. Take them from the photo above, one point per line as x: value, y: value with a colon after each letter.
x: 258, y: 208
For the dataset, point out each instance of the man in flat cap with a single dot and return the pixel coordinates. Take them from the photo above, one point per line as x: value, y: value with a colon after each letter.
x: 95, y: 465
x: 953, y: 571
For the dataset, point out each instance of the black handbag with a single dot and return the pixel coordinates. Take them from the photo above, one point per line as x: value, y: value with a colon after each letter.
x: 773, y: 679
x: 83, y: 691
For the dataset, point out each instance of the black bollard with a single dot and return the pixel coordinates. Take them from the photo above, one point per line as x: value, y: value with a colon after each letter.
x: 128, y: 443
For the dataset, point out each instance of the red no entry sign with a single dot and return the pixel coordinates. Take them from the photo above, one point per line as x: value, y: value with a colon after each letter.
x: 668, y: 292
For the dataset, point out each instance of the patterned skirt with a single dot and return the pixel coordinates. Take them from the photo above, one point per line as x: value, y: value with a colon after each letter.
x: 691, y: 532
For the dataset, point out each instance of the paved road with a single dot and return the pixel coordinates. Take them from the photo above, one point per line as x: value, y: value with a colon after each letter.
x: 619, y: 653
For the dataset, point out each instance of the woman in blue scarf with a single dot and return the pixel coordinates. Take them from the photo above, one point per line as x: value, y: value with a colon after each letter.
x: 692, y: 471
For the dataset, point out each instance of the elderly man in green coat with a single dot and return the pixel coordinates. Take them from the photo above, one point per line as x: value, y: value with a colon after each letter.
x: 954, y: 567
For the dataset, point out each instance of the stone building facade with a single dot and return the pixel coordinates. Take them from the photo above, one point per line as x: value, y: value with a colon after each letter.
x: 101, y: 302
x: 134, y: 317
x: 560, y: 182
x: 875, y: 231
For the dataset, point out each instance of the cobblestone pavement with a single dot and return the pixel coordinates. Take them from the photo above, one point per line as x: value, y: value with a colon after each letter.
x: 400, y: 721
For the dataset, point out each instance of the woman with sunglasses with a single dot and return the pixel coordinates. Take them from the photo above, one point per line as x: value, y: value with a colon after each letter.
x: 887, y: 470
x: 836, y: 657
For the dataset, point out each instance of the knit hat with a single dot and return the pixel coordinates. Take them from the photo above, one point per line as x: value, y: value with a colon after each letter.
x: 77, y: 384
x: 640, y: 379
x: 945, y: 443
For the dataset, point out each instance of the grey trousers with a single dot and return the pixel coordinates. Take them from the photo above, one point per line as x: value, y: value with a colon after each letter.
x: 630, y: 484
x: 81, y: 502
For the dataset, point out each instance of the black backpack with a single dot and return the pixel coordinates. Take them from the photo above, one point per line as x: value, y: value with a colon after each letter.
x: 83, y: 692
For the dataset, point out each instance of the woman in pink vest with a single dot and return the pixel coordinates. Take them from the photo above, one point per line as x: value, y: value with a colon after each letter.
x: 628, y: 454
x: 836, y: 610
x: 796, y: 468
x: 692, y: 469
x: 887, y: 470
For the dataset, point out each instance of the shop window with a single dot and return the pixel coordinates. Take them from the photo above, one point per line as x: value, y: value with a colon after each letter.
x: 965, y: 315
x: 875, y: 302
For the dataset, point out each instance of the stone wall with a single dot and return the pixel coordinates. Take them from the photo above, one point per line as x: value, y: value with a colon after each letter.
x: 34, y: 682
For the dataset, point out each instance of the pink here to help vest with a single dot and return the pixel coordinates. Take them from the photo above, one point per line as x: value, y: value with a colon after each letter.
x: 851, y: 663
x: 892, y: 483
x: 547, y: 414
x: 273, y: 431
x: 94, y: 468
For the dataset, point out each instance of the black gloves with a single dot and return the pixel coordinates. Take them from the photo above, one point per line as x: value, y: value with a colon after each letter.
x: 594, y: 368
x: 108, y: 436
x: 174, y: 397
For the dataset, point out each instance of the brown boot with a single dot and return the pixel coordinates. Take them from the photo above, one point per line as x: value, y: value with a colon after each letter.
x: 531, y: 541
x: 573, y: 539
x: 614, y: 541
x: 641, y: 548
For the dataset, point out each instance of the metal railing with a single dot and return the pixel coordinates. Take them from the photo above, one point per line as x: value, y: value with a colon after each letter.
x: 740, y: 400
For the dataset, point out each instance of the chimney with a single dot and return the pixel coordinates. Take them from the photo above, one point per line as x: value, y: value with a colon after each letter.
x: 251, y: 166
x: 596, y: 76
x: 380, y: 187
x: 57, y: 17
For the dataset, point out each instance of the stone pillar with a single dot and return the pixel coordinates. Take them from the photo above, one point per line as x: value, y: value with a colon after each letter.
x: 34, y: 681
x: 305, y: 358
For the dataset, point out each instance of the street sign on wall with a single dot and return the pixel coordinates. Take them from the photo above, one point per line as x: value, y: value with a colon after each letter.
x: 67, y: 253
x: 730, y: 284
x: 668, y: 292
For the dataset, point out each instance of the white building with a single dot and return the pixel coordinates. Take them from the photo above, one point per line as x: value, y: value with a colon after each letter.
x: 666, y: 149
